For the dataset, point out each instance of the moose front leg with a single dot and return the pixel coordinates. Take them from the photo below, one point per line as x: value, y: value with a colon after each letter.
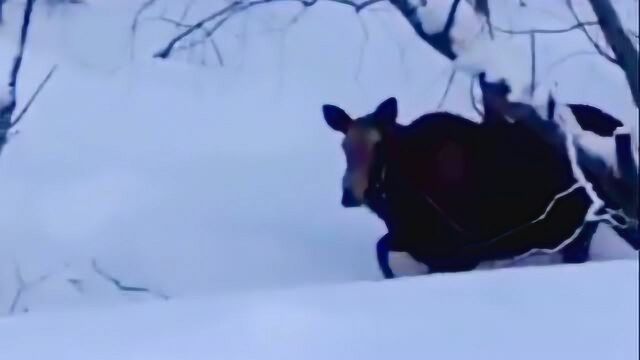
x: 394, y: 262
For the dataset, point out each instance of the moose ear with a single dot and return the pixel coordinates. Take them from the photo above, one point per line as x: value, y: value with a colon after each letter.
x: 387, y: 112
x: 336, y: 118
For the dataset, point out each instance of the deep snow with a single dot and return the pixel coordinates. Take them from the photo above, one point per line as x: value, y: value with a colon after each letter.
x: 586, y: 312
x: 190, y: 178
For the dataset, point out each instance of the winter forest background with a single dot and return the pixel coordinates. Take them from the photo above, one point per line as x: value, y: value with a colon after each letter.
x: 146, y: 170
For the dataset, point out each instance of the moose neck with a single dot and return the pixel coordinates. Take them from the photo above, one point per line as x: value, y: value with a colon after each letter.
x: 387, y: 159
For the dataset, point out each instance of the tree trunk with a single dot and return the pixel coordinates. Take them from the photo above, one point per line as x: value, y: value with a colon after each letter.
x: 8, y: 97
x: 620, y: 43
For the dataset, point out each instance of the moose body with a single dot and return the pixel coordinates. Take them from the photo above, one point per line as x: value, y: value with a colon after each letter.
x: 454, y: 193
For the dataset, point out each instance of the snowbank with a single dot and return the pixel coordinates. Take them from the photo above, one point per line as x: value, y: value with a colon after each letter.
x: 584, y: 312
x: 190, y: 178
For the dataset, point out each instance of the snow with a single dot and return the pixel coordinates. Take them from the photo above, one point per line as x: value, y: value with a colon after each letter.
x: 433, y: 14
x: 220, y: 187
x: 556, y: 312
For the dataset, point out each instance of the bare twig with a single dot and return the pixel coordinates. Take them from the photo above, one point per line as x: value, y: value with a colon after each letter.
x: 217, y: 51
x: 446, y: 90
x: 33, y: 96
x: 576, y: 26
x: 23, y: 287
x: 136, y: 20
x: 126, y: 288
x: 532, y: 44
x: 186, y: 10
x: 176, y: 23
x: 363, y: 47
x: 238, y: 6
x: 562, y: 60
x: 595, y: 44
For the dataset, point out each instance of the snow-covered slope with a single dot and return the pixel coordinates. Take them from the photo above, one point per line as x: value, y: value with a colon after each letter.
x: 584, y: 312
x: 190, y: 178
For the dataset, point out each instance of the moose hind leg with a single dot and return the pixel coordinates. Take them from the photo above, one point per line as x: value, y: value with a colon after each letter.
x: 577, y: 251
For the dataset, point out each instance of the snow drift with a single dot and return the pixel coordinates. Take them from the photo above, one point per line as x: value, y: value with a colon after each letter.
x: 586, y: 312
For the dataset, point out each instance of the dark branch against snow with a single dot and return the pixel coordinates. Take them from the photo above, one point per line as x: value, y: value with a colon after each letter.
x: 626, y: 55
x: 34, y: 96
x: 579, y: 25
x: 532, y: 43
x: 446, y: 90
x: 586, y: 33
x: 8, y: 99
x: 22, y: 287
x: 122, y: 287
x: 218, y: 18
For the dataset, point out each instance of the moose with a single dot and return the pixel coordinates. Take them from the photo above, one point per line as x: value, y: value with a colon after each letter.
x: 454, y: 193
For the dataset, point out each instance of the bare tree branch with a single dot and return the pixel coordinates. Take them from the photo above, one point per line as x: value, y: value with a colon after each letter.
x: 33, y: 96
x: 532, y: 44
x: 8, y: 105
x: 363, y: 47
x: 136, y: 20
x: 576, y: 26
x: 223, y: 15
x: 166, y: 51
x: 125, y: 288
x: 23, y: 287
x: 595, y: 44
x: 217, y: 51
x: 446, y: 90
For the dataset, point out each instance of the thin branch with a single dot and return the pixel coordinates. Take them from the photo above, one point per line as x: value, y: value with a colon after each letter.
x: 576, y: 26
x: 595, y: 44
x: 562, y: 60
x: 446, y: 90
x: 120, y: 286
x: 136, y: 20
x: 166, y: 51
x: 217, y: 51
x: 23, y: 287
x: 186, y: 10
x: 33, y: 96
x: 532, y: 44
x: 175, y: 23
x: 238, y: 6
x: 363, y: 47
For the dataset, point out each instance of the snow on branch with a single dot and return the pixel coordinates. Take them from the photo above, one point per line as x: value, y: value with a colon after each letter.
x: 121, y: 286
x: 214, y: 21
